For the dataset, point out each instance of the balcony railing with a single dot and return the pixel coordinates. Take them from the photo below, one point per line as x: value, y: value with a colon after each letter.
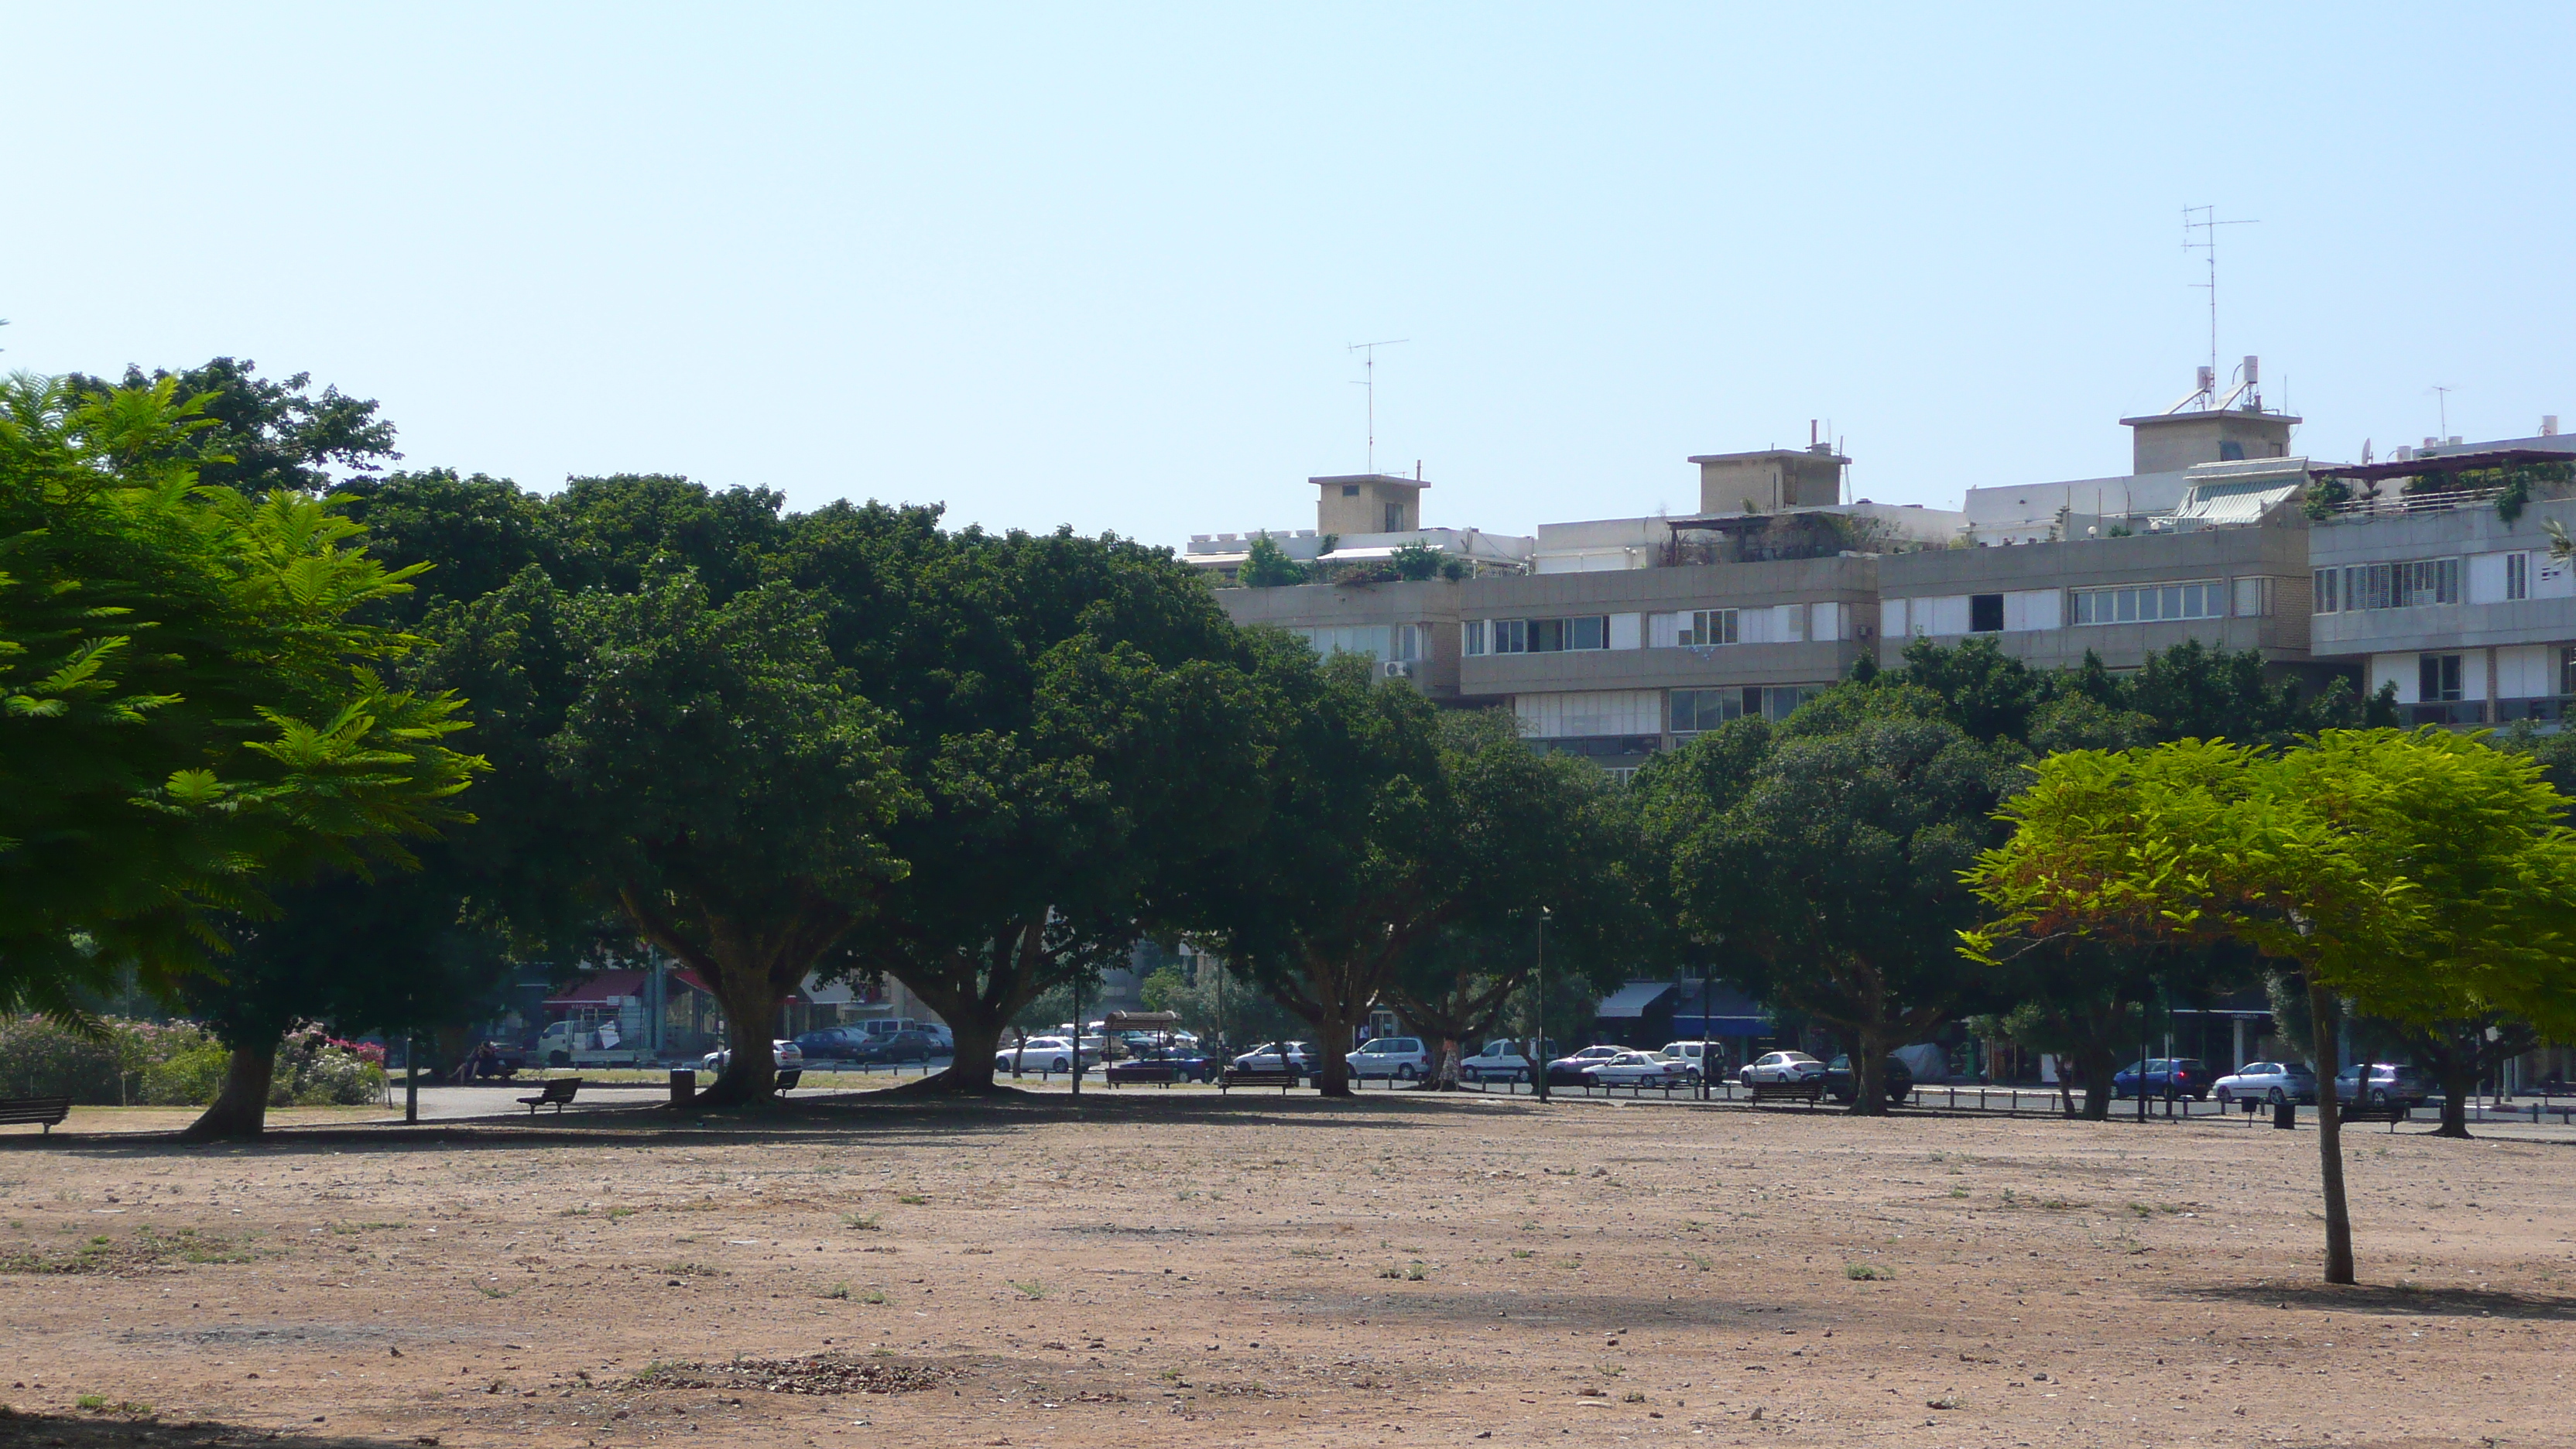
x: 2400, y: 504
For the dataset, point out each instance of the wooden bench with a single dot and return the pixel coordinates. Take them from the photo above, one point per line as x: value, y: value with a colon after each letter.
x: 788, y: 1079
x: 1812, y: 1090
x: 1281, y: 1077
x: 2391, y: 1113
x: 1164, y: 1073
x: 558, y: 1095
x: 44, y: 1110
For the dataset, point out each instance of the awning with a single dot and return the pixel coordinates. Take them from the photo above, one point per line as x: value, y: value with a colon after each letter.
x: 1630, y: 1001
x: 600, y: 986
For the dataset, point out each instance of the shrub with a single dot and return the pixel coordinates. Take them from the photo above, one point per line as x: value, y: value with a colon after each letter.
x: 40, y: 1058
x: 188, y: 1078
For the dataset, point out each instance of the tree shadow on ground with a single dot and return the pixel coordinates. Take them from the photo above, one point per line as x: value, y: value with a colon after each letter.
x: 822, y: 1121
x: 2394, y: 1299
x: 119, y: 1431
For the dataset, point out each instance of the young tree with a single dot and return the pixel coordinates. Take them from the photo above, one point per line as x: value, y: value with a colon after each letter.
x: 2421, y: 876
x: 1267, y: 566
x: 1824, y: 855
x: 191, y: 710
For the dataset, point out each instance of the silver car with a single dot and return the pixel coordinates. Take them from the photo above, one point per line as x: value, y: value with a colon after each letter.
x: 2271, y: 1082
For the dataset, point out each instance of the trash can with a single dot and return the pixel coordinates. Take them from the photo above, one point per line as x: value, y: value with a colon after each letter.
x: 684, y: 1086
x: 2285, y: 1114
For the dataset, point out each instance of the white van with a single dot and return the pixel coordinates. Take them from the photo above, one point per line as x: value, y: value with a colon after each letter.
x: 1400, y: 1057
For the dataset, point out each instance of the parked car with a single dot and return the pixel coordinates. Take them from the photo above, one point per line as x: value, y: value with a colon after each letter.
x: 1504, y: 1059
x: 1400, y: 1057
x: 832, y: 1043
x: 1295, y: 1056
x: 1781, y: 1067
x: 1150, y: 1063
x: 1895, y: 1078
x: 1567, y: 1071
x: 901, y: 1046
x: 2166, y: 1077
x: 787, y: 1054
x: 2273, y: 1082
x: 1041, y: 1054
x: 1688, y: 1051
x: 888, y: 1026
x: 1640, y: 1069
x: 2389, y: 1082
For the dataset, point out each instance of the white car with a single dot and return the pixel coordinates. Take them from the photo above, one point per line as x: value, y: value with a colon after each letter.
x: 1041, y: 1054
x: 1639, y: 1069
x: 787, y: 1054
x: 1400, y: 1057
x: 1781, y: 1067
x: 1688, y: 1053
x: 1299, y: 1056
x: 1504, y: 1059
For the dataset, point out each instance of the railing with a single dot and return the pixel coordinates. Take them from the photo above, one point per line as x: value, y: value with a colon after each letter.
x: 2400, y: 504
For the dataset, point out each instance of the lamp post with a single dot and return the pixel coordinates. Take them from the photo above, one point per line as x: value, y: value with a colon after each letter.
x: 1538, y: 1046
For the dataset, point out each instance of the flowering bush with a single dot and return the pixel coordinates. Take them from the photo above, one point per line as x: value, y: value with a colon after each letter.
x: 314, y: 1069
x: 40, y: 1058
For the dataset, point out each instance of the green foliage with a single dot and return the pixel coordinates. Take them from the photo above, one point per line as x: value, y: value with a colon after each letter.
x: 187, y: 1078
x: 1416, y: 561
x: 263, y: 434
x: 112, y: 1063
x: 189, y: 709
x: 1267, y: 566
x: 1822, y: 856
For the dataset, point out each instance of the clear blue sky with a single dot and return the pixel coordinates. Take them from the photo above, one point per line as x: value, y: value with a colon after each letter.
x: 1099, y: 265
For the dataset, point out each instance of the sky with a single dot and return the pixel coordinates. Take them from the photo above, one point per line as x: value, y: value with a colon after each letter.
x: 1102, y: 265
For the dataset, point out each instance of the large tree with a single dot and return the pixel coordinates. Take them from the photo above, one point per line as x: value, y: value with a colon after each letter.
x: 2420, y: 877
x: 1075, y: 717
x: 1823, y: 857
x: 194, y: 709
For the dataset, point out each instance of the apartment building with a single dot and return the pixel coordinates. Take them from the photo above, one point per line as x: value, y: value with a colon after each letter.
x: 1615, y: 639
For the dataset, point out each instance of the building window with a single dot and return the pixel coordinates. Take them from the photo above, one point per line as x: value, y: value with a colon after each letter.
x: 2567, y: 671
x: 2254, y: 597
x: 1394, y: 518
x: 1350, y: 490
x: 1694, y: 710
x: 2151, y: 603
x: 2437, y: 678
x: 1711, y: 626
x: 2329, y: 590
x: 2409, y: 585
x: 1377, y: 641
x: 2517, y: 576
x: 1471, y: 637
x: 1538, y: 636
x: 1985, y: 613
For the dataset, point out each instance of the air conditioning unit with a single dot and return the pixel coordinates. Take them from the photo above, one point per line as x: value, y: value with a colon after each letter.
x: 1397, y: 669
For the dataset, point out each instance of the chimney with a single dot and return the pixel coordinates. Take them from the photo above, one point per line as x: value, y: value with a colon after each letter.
x: 2549, y: 425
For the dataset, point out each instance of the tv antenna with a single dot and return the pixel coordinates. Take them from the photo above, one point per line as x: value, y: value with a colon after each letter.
x: 2205, y: 220
x: 2442, y: 400
x: 1368, y: 351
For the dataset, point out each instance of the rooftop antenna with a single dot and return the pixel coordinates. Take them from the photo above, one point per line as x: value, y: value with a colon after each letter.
x: 1368, y: 351
x: 2205, y: 220
x: 2442, y: 400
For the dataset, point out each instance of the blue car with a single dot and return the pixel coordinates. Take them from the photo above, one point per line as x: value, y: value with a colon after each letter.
x: 2166, y: 1077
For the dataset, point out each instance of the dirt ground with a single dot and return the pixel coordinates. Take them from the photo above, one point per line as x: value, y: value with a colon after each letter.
x: 1172, y: 1268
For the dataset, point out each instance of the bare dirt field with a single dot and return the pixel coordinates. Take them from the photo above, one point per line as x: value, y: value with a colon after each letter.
x: 1172, y: 1268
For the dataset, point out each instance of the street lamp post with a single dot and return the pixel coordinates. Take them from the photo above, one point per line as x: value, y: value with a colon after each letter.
x: 1538, y: 1046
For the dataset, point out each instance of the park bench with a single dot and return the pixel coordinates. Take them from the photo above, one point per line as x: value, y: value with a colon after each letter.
x: 1808, y: 1091
x: 558, y: 1095
x: 788, y: 1079
x: 44, y: 1110
x: 2391, y: 1113
x: 1164, y: 1073
x: 1281, y: 1077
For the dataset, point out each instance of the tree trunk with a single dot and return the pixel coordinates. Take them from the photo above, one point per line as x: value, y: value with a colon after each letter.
x: 2459, y: 1074
x: 978, y: 998
x: 2100, y: 1063
x: 1333, y: 1025
x: 239, y: 1112
x: 2325, y: 1010
x: 1869, y: 1073
x: 751, y: 1012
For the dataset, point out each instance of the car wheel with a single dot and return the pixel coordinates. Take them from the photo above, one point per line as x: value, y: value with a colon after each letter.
x: 1404, y: 1072
x: 2273, y: 1097
x: 1061, y: 1064
x: 2379, y: 1099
